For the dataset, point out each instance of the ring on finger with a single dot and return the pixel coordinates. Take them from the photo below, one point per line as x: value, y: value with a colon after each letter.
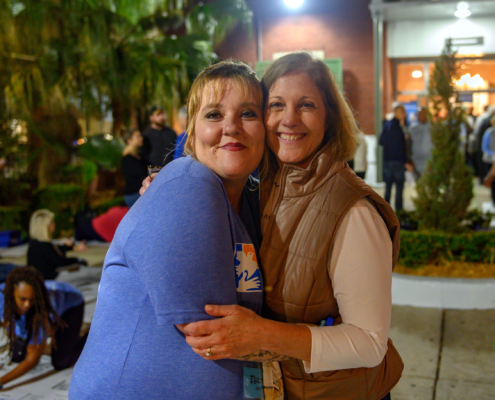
x: 208, y: 352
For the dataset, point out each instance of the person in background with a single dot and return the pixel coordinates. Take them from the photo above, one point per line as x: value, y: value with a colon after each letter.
x: 488, y: 147
x: 471, y: 118
x: 360, y: 157
x: 101, y: 227
x: 42, y: 254
x: 182, y: 138
x: 134, y: 169
x: 481, y: 125
x: 393, y: 141
x: 421, y: 141
x: 158, y: 140
x: 33, y: 310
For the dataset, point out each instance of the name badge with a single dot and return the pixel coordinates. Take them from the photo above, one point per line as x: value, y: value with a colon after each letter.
x: 253, y: 383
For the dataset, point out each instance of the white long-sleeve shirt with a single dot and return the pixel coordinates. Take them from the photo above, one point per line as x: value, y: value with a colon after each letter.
x: 361, y: 272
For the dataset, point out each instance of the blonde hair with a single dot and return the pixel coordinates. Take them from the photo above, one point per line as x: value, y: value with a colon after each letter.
x: 39, y: 223
x: 229, y: 70
x: 341, y: 129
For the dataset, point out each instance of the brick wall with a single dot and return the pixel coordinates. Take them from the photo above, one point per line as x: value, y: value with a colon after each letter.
x: 343, y: 29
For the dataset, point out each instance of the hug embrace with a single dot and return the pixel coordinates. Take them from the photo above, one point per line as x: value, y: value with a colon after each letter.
x: 212, y: 274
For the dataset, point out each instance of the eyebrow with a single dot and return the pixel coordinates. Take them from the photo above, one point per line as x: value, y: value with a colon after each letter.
x: 301, y: 98
x: 244, y: 104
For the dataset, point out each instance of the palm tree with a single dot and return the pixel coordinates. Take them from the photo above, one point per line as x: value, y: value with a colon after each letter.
x: 63, y: 60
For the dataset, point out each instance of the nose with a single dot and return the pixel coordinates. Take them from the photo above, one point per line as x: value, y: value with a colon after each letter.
x: 232, y: 126
x: 291, y: 117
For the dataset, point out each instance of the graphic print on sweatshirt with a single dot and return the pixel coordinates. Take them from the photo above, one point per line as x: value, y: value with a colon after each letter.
x: 248, y: 274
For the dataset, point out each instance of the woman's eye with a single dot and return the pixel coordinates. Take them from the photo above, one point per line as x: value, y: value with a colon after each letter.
x: 248, y: 114
x: 307, y: 105
x: 276, y: 104
x: 213, y: 115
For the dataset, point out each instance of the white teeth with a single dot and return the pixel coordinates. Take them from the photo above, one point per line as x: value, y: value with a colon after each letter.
x: 290, y: 137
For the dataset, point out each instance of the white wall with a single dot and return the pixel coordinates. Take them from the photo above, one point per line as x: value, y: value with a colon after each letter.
x: 427, y: 38
x: 371, y: 172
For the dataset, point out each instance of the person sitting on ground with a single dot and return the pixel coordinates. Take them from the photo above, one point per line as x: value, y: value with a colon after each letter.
x: 134, y: 168
x: 101, y: 227
x: 42, y: 254
x: 31, y: 311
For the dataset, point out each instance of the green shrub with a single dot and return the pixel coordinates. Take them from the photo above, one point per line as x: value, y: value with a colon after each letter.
x: 106, y: 154
x: 423, y: 247
x: 445, y: 188
x: 14, y: 218
x: 62, y: 199
x: 81, y: 173
x: 105, y: 206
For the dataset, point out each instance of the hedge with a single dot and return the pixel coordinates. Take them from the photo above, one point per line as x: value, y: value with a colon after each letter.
x: 62, y: 199
x: 14, y: 218
x: 105, y: 206
x: 423, y: 247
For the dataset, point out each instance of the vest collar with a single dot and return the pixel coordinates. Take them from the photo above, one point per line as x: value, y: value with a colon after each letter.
x: 303, y: 181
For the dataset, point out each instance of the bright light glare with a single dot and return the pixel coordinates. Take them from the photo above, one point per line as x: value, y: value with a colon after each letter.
x: 294, y: 3
x: 417, y: 74
x: 462, y: 13
x: 468, y: 82
x: 462, y: 10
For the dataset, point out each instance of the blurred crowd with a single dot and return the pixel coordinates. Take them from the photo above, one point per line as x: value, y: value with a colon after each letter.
x: 407, y: 146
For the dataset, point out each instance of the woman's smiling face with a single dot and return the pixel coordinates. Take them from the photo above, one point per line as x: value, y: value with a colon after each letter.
x: 295, y: 119
x: 229, y: 132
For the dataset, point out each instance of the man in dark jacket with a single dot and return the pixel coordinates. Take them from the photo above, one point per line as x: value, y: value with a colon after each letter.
x: 158, y: 140
x: 393, y: 140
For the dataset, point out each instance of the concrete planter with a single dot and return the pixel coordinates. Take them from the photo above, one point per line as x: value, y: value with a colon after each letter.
x: 445, y: 293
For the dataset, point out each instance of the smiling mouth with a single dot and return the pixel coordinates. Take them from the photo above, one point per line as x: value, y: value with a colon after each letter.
x: 291, y: 136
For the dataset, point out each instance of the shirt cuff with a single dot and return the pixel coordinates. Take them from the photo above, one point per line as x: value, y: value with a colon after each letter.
x: 316, y: 341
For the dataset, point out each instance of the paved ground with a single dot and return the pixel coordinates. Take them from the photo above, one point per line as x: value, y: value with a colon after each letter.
x: 448, y: 354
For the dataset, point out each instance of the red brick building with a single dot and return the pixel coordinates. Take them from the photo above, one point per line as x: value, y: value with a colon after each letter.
x: 341, y: 29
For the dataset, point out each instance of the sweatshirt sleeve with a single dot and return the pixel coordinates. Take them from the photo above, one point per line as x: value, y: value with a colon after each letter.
x: 182, y: 250
x: 361, y: 272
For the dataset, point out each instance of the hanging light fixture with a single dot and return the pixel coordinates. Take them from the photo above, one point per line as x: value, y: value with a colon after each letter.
x: 294, y: 3
x: 417, y: 74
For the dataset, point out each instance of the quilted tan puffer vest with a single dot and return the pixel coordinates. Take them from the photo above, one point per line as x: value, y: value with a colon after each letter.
x: 295, y: 253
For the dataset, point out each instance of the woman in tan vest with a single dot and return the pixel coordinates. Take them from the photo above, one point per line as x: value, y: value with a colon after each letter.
x: 329, y: 246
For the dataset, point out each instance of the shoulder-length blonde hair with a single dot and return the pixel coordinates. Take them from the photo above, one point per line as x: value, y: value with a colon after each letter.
x: 341, y: 130
x: 216, y: 76
x: 39, y: 223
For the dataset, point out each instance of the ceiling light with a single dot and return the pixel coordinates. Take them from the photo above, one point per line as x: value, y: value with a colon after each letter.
x: 417, y: 74
x: 462, y: 13
x: 462, y: 10
x: 294, y: 3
